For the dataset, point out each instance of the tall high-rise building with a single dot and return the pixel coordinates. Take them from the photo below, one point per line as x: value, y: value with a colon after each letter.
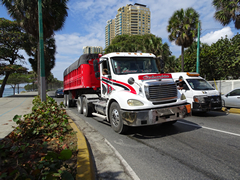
x: 92, y: 49
x: 130, y: 19
x: 109, y: 31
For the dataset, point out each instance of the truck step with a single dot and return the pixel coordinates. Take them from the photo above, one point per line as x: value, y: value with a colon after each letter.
x: 100, y: 115
x: 101, y: 103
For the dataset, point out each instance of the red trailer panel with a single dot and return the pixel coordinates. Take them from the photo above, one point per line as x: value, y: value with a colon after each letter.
x: 81, y: 74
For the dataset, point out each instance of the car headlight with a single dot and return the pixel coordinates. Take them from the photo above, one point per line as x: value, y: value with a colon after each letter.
x: 199, y: 99
x: 134, y: 102
x: 183, y: 97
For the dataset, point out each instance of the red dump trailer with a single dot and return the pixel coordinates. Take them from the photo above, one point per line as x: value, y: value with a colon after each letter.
x: 79, y: 78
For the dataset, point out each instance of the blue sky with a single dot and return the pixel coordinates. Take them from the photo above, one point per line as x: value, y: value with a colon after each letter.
x: 86, y: 21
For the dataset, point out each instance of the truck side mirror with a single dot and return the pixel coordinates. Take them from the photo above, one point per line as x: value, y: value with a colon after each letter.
x: 97, y: 74
x: 95, y: 65
x: 185, y: 87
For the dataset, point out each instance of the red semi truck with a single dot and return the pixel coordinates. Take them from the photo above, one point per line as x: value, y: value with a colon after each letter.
x: 130, y: 92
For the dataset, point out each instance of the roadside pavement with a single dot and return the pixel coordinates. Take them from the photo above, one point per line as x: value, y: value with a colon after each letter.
x: 10, y: 106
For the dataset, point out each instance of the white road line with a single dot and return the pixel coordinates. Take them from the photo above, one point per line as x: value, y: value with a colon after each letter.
x: 226, y: 132
x: 128, y: 168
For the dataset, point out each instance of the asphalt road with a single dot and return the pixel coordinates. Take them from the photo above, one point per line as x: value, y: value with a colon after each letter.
x: 204, y: 146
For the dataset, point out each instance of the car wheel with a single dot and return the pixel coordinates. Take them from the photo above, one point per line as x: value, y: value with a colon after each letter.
x: 116, y: 119
x: 223, y: 103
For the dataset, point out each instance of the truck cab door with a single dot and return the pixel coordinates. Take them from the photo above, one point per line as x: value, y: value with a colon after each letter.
x: 106, y: 83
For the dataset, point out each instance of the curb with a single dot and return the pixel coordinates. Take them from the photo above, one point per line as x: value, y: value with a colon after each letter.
x: 231, y: 110
x: 84, y: 161
x: 234, y: 110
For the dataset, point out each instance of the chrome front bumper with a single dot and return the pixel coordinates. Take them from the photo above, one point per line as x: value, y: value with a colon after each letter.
x: 155, y: 116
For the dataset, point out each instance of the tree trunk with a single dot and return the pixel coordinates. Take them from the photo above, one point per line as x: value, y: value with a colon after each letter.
x: 14, y: 89
x: 4, y: 83
x: 38, y: 70
x: 182, y: 59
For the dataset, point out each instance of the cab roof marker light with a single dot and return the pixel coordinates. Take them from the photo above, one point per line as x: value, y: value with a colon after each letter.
x: 135, y: 53
x: 192, y: 74
x: 129, y: 53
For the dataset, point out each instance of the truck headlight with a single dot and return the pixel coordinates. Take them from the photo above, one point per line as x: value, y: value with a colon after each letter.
x: 199, y: 99
x: 183, y: 97
x: 134, y: 102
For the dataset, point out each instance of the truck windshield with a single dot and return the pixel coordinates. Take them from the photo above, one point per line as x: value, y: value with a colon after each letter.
x: 199, y: 84
x: 132, y: 65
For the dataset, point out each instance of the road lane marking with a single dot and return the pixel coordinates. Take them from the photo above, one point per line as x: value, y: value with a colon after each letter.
x: 124, y: 162
x: 226, y: 132
x: 13, y: 108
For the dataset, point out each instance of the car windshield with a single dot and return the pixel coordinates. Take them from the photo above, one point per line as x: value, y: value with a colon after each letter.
x: 199, y: 84
x: 132, y: 65
x: 59, y: 90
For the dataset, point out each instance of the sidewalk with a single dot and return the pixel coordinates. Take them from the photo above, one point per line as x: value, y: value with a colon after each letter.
x: 14, y: 105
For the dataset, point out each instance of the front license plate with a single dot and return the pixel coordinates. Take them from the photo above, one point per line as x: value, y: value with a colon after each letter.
x: 162, y: 112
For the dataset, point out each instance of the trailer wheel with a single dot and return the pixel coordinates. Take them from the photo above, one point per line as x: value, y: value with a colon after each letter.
x: 87, y: 109
x: 116, y: 119
x: 65, y: 100
x: 68, y: 101
x: 80, y: 105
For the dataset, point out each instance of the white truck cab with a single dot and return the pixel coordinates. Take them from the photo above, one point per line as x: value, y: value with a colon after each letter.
x: 198, y: 92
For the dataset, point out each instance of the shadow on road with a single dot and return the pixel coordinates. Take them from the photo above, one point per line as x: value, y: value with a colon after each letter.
x: 21, y: 96
x: 162, y: 130
x: 209, y: 114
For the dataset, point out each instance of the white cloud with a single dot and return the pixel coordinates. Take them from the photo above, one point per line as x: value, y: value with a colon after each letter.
x: 86, y: 21
x: 214, y: 36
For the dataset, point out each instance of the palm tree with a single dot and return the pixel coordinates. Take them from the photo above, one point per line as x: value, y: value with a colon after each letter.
x: 54, y: 13
x: 25, y: 12
x: 182, y: 27
x: 227, y: 11
x: 49, y: 54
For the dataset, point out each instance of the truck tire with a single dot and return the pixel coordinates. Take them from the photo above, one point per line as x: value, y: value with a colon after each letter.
x: 80, y: 105
x: 68, y: 101
x: 65, y: 100
x: 87, y: 109
x: 116, y: 119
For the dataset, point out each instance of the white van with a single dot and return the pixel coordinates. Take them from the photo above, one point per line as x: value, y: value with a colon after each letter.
x: 198, y: 92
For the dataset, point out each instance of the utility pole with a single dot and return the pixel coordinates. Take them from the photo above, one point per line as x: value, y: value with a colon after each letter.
x: 198, y: 48
x: 41, y: 53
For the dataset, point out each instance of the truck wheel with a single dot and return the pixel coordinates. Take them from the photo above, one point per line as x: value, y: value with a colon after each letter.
x: 87, y: 109
x: 116, y: 119
x: 68, y: 101
x: 65, y: 100
x: 80, y: 105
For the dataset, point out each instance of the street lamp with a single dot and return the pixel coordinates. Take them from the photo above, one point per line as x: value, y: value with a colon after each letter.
x: 198, y: 48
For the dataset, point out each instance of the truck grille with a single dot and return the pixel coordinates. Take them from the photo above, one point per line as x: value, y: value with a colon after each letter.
x: 161, y: 92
